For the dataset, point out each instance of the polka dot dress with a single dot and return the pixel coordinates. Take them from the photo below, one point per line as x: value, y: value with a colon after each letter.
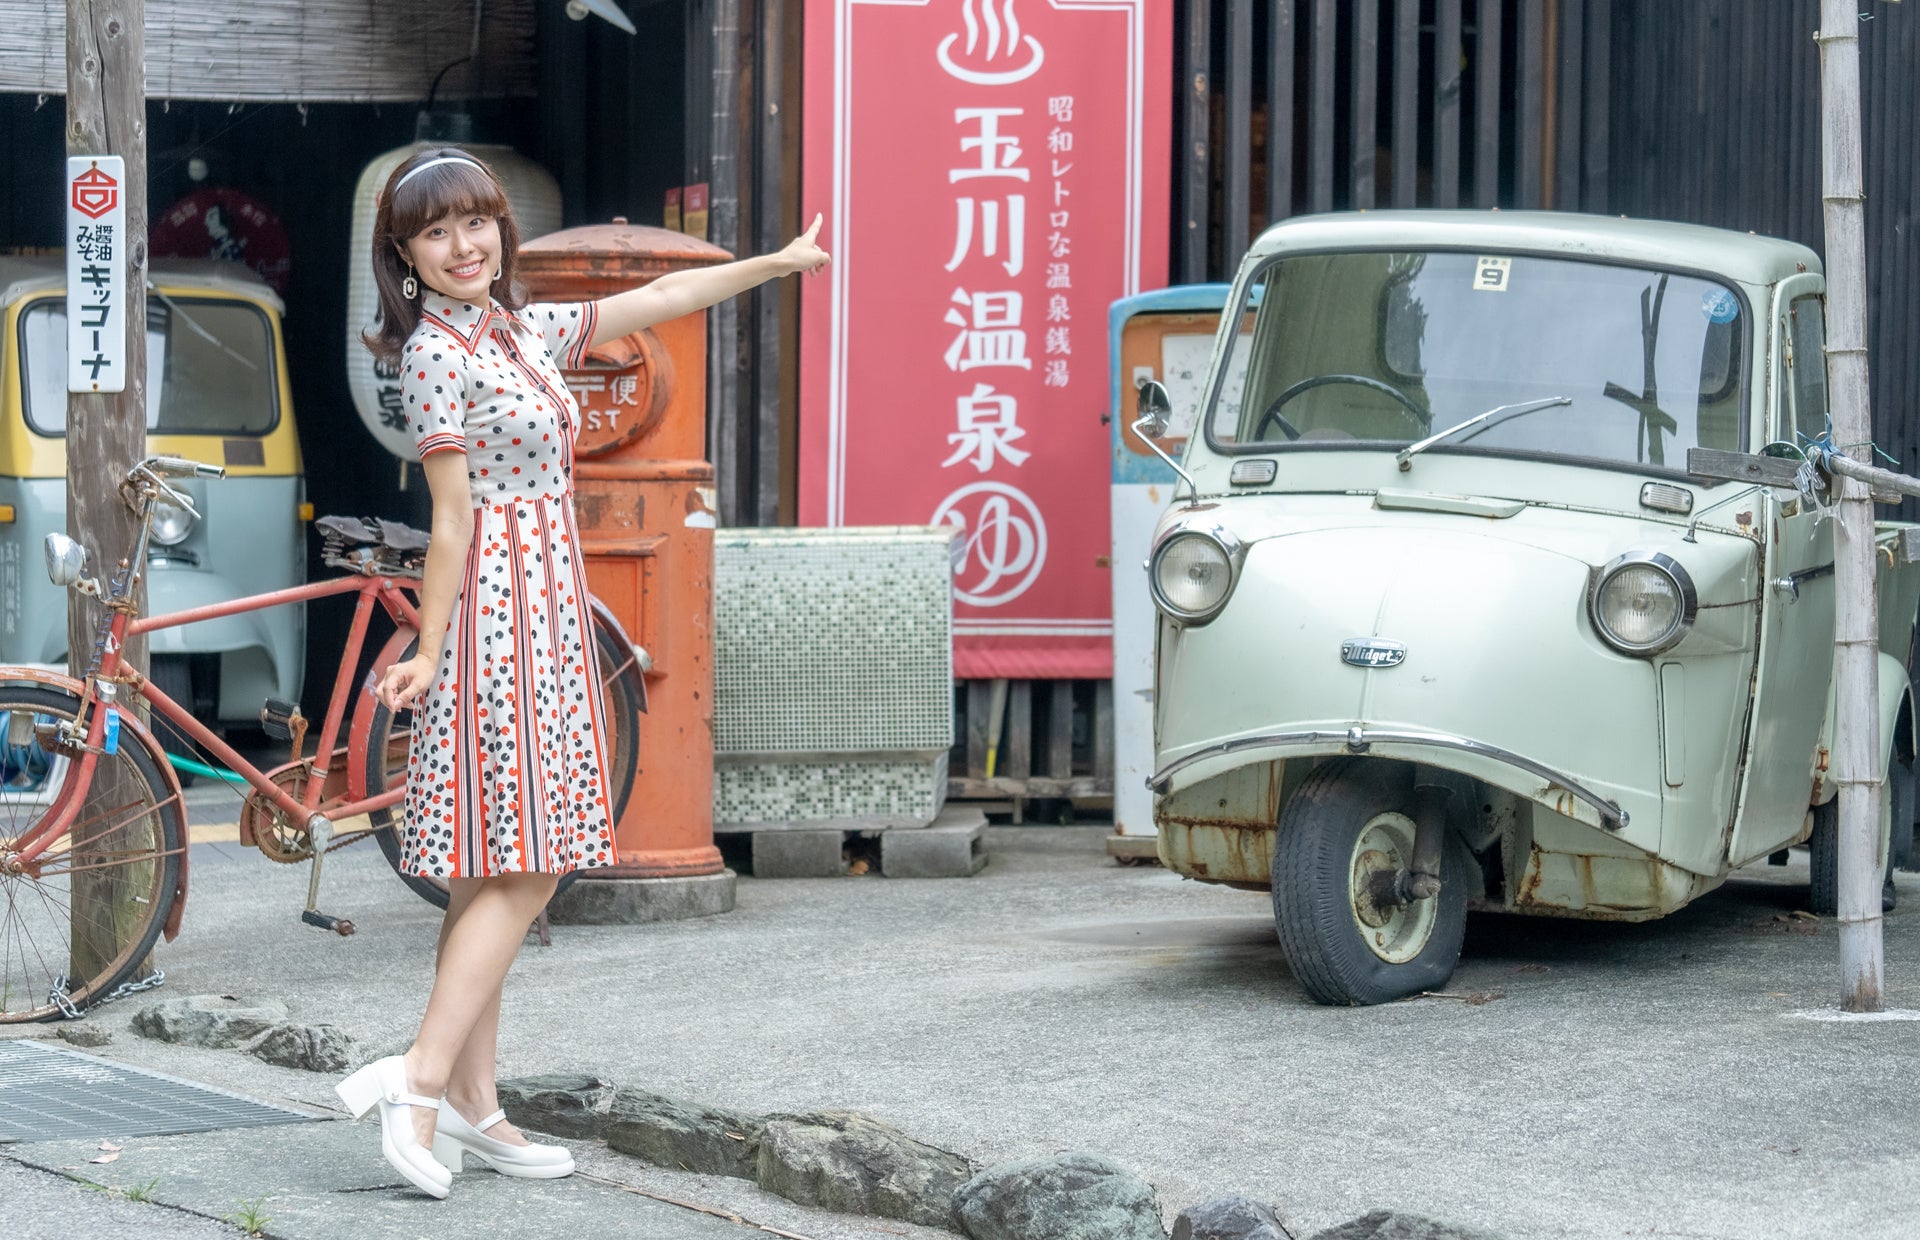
x: 507, y: 769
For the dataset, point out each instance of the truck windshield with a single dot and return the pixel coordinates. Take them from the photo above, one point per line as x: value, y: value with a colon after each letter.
x: 210, y: 367
x: 1385, y: 348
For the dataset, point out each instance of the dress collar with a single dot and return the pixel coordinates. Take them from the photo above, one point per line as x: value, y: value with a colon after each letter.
x: 463, y: 320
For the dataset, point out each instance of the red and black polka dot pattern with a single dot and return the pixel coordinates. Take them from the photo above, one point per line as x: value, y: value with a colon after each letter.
x: 506, y: 773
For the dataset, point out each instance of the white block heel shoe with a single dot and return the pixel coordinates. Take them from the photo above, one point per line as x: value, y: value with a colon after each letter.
x: 383, y: 1084
x: 454, y: 1137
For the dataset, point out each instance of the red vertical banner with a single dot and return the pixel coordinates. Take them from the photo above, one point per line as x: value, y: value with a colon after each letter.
x: 994, y: 173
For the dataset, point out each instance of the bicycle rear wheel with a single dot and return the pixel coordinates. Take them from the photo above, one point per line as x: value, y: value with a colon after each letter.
x: 390, y: 735
x: 79, y: 919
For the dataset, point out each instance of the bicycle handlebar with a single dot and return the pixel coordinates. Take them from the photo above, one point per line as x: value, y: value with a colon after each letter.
x: 180, y: 467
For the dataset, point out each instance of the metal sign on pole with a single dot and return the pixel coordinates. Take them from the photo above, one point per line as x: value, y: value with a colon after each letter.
x: 96, y: 274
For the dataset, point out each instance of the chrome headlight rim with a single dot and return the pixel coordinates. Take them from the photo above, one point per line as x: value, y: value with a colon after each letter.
x: 1683, y: 583
x: 1223, y: 540
x: 171, y: 524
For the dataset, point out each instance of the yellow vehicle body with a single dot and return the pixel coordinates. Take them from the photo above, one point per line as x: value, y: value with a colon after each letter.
x: 219, y: 392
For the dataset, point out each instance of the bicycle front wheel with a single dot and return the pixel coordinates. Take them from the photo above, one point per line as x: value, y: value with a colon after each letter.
x: 80, y: 917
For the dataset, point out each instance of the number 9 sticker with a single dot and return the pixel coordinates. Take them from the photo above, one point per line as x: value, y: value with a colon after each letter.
x: 1490, y: 273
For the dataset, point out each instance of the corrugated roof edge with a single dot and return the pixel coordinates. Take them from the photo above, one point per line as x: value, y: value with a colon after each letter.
x: 1745, y: 257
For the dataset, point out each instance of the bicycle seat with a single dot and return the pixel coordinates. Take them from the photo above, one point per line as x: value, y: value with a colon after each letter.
x: 371, y: 532
x: 351, y: 531
x: 368, y: 544
x: 404, y: 538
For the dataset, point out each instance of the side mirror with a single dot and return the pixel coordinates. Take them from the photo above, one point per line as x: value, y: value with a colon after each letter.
x: 1155, y: 410
x: 65, y: 560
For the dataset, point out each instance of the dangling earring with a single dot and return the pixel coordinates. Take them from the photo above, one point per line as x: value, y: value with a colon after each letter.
x: 409, y: 287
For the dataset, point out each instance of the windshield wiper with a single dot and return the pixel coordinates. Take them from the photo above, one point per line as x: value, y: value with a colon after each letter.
x: 198, y: 330
x: 1405, y: 456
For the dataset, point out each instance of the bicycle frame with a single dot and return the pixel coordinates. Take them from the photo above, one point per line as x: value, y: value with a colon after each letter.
x: 102, y: 689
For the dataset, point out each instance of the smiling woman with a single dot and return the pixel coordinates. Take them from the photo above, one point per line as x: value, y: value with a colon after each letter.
x: 506, y: 785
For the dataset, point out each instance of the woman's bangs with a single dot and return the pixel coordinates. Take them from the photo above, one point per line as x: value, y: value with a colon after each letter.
x: 449, y: 189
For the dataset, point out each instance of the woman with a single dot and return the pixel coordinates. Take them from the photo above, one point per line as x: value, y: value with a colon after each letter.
x: 505, y: 786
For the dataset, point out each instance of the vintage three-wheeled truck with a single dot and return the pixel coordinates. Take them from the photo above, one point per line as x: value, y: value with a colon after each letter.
x: 1446, y: 624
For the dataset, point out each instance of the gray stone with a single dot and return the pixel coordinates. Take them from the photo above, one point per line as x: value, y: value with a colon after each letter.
x: 839, y: 1160
x: 1228, y: 1218
x: 942, y: 850
x: 1393, y: 1225
x: 1066, y: 1197
x: 314, y: 1048
x: 562, y: 1105
x: 798, y: 854
x: 635, y: 901
x: 687, y: 1135
x: 83, y: 1035
x: 209, y: 1020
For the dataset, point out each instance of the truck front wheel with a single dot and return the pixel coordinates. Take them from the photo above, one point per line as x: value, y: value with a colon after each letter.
x: 1346, y: 836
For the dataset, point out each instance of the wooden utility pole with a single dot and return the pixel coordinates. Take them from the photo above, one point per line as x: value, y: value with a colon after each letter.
x: 107, y: 432
x: 1856, y: 757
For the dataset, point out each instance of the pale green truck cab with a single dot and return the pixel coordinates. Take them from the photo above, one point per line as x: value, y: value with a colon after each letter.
x: 1446, y: 624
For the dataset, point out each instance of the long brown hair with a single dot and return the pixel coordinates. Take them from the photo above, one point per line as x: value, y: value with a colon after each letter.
x: 467, y: 187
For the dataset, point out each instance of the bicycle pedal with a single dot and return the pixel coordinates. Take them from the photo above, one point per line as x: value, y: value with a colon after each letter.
x: 277, y: 716
x: 339, y: 925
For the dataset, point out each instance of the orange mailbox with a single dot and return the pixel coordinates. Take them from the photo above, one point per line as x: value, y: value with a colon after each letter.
x: 644, y: 494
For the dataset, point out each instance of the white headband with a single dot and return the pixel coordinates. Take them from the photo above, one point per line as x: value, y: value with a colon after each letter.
x: 444, y: 159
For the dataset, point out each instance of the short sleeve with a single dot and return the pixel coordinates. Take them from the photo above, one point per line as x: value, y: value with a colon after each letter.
x: 567, y: 329
x: 431, y: 386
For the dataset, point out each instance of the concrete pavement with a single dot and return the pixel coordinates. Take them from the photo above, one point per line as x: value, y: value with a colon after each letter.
x: 1614, y: 1080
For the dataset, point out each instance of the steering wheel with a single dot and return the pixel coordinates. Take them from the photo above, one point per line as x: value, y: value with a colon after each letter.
x: 1273, y: 414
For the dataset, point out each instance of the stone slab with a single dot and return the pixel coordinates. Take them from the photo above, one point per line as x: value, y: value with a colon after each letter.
x: 938, y: 851
x: 634, y: 901
x: 1134, y: 847
x: 327, y: 1180
x: 798, y: 854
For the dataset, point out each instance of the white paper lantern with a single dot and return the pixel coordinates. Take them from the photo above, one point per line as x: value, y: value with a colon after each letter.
x: 536, y: 207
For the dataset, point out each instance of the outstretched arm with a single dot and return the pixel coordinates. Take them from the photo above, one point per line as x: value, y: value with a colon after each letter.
x: 683, y: 292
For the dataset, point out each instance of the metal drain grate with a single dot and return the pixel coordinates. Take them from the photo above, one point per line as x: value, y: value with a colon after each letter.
x: 49, y: 1093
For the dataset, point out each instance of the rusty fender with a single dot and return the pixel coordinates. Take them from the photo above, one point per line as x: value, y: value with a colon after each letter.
x: 1235, y: 851
x: 1598, y: 887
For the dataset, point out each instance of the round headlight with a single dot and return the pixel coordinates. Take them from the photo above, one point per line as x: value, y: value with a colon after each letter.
x: 171, y: 524
x: 1643, y: 603
x: 1192, y: 575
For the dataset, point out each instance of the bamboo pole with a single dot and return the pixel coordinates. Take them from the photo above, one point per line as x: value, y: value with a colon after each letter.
x: 1856, y: 757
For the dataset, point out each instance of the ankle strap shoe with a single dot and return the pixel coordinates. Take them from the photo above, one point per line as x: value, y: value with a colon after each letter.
x: 454, y: 1137
x: 383, y: 1084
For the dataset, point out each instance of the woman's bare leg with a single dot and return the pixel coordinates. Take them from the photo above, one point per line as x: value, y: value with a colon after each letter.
x: 471, y: 1087
x: 478, y: 944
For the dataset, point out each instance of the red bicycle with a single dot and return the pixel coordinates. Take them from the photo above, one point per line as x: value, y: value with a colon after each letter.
x: 93, y: 838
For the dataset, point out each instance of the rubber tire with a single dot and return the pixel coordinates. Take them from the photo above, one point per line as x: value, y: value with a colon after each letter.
x: 172, y: 674
x: 1312, y: 877
x: 1906, y: 805
x: 1823, y: 865
x: 173, y: 832
x: 625, y: 703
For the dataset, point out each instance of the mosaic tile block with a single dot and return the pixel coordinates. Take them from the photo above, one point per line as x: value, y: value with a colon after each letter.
x: 833, y: 641
x: 799, y: 789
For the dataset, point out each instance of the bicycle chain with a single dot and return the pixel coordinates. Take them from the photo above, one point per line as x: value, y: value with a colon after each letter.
x: 58, y: 996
